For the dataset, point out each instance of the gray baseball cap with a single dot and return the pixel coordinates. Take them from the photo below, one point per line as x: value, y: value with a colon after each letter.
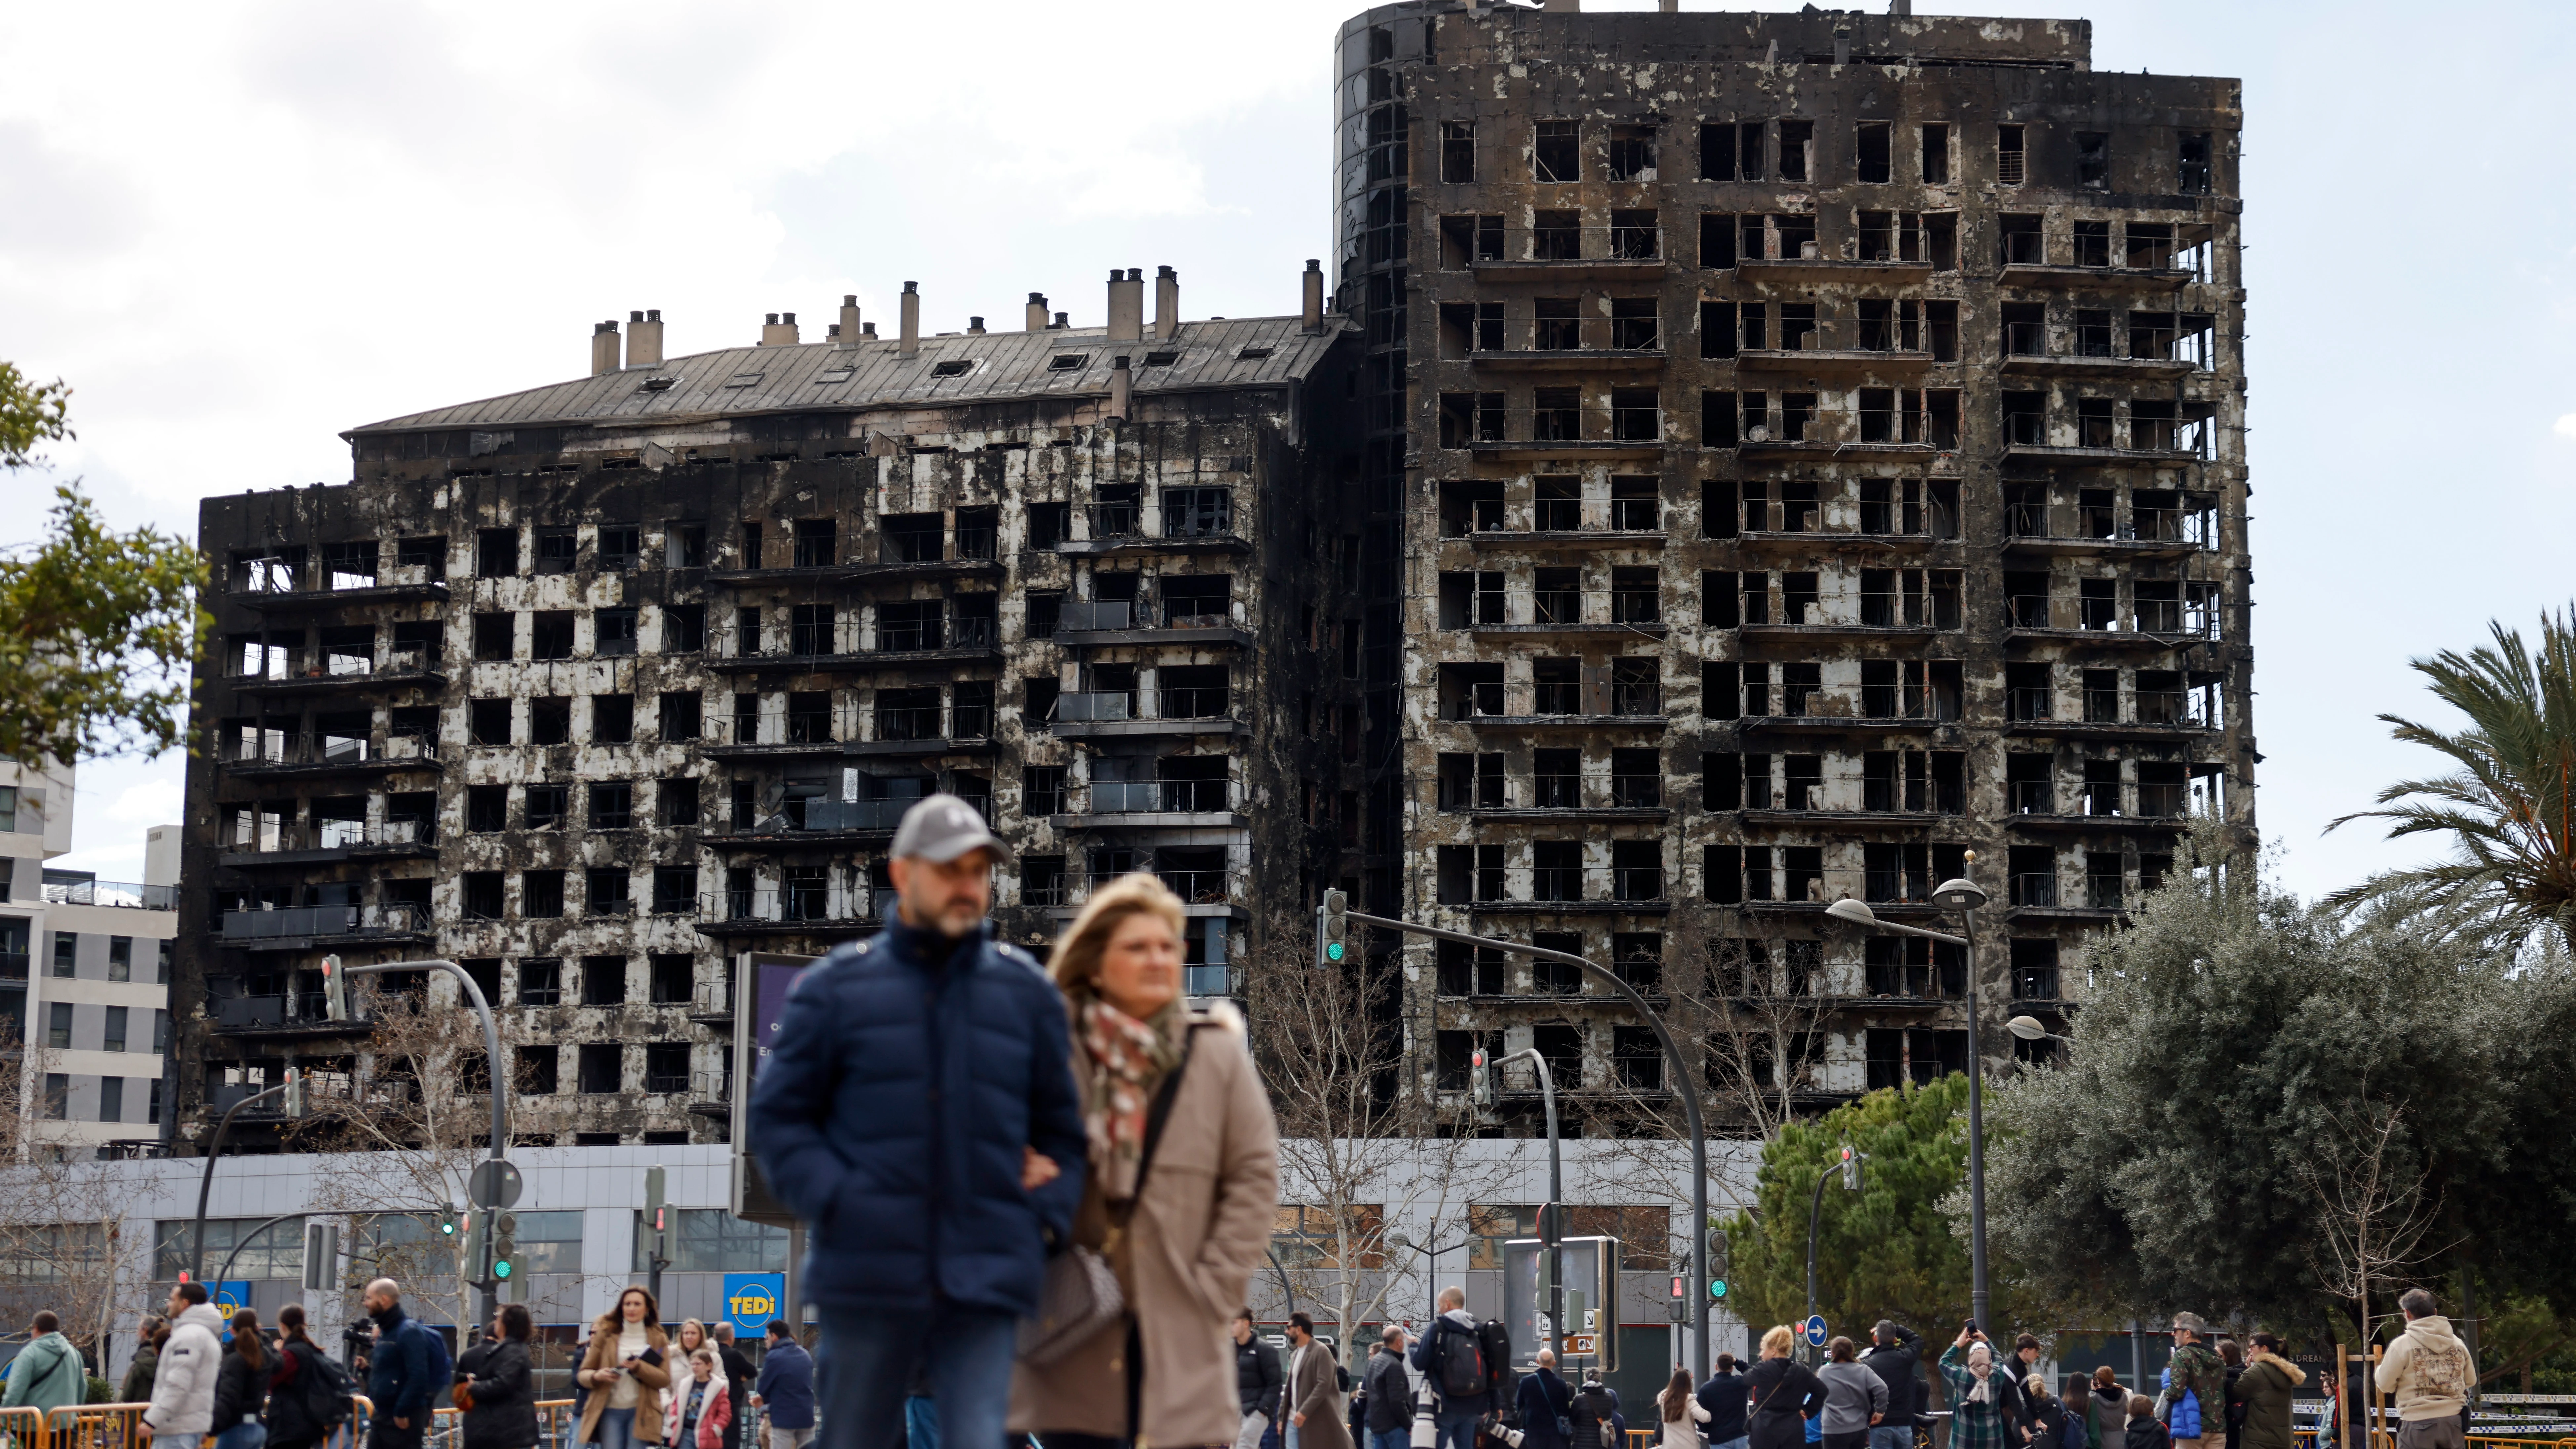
x: 942, y: 828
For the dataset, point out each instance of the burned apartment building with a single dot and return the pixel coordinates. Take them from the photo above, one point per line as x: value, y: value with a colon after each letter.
x: 596, y: 688
x: 1798, y: 450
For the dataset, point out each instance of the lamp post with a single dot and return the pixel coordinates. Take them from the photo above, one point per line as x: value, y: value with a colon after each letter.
x: 2031, y: 1028
x: 1963, y: 896
x: 1555, y: 1197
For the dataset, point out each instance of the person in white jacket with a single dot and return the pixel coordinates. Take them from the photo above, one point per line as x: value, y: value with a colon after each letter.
x: 1681, y: 1412
x: 183, y: 1387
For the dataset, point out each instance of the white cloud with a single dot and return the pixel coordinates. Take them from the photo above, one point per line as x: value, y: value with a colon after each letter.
x: 2566, y: 426
x: 152, y: 802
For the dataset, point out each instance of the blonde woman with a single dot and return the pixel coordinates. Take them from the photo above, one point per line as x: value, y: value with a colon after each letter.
x: 1184, y: 1240
x: 1781, y: 1393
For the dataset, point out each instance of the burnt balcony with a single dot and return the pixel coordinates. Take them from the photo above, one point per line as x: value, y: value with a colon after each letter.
x: 293, y: 928
x: 1097, y: 713
x: 1199, y: 623
x: 275, y: 754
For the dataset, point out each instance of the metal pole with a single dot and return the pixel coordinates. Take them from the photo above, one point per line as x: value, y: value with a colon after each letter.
x: 1815, y: 1209
x: 499, y: 1083
x: 796, y: 1279
x: 1286, y: 1287
x: 246, y: 1242
x: 1977, y: 1294
x: 1683, y: 1087
x: 206, y: 1184
x: 1555, y: 1195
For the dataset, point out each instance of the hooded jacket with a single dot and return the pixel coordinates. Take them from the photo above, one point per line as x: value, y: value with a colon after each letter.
x: 500, y: 1379
x: 2264, y: 1389
x: 47, y: 1374
x: 241, y: 1388
x: 1257, y: 1378
x: 2429, y: 1370
x: 183, y: 1384
x: 1458, y: 1326
x: 786, y: 1384
x: 908, y: 1075
x: 137, y: 1388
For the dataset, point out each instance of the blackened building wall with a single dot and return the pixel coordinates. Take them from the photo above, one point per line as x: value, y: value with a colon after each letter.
x: 1801, y: 450
x: 597, y: 687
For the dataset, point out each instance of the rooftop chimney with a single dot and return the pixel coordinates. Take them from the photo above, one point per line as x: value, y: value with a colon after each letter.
x: 1167, y: 304
x: 868, y: 330
x: 850, y: 319
x: 603, y: 348
x: 1122, y: 389
x: 1063, y: 320
x: 1311, y: 311
x: 1127, y: 305
x: 779, y: 330
x: 1037, y: 316
x: 974, y: 326
x: 644, y: 339
x: 911, y: 344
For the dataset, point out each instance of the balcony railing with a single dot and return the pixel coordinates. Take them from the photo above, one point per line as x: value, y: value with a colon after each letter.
x: 391, y: 918
x: 331, y: 835
x: 1094, y: 706
x: 252, y: 1012
x: 1144, y: 797
x: 1098, y: 614
x: 1582, y: 242
x: 2035, y: 890
x: 788, y: 905
x: 1210, y: 887
x: 112, y: 893
x: 276, y: 747
x: 2196, y: 527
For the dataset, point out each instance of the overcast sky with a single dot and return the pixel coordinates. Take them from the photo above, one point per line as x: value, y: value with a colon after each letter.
x: 238, y: 229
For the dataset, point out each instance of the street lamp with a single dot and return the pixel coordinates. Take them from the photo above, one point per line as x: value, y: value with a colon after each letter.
x: 2031, y: 1028
x: 1963, y: 896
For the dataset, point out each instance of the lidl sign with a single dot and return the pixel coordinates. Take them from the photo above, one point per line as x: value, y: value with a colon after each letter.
x: 752, y: 1299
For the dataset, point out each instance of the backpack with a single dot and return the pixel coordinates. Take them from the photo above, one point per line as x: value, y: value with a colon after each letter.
x: 1463, y: 1374
x: 1494, y: 1344
x: 438, y: 1365
x: 328, y: 1389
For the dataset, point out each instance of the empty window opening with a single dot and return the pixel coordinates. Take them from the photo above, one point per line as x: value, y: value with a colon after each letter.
x: 1556, y: 236
x: 2008, y: 155
x: 1873, y: 150
x: 2193, y: 162
x: 1556, y: 154
x: 1797, y: 150
x: 1936, y: 155
x: 1717, y: 151
x: 1634, y: 236
x: 2093, y: 160
x: 954, y: 367
x: 1458, y: 152
x: 2021, y: 238
x: 1632, y: 153
x: 2092, y: 243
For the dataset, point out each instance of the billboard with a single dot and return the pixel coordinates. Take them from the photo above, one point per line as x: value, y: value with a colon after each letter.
x: 751, y: 1300
x: 761, y: 982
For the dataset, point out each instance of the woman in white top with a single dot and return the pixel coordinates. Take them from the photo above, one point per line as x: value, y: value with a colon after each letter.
x: 1682, y: 1413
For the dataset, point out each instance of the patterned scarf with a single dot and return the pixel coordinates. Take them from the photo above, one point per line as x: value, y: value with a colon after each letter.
x: 1981, y: 1363
x: 1129, y: 1058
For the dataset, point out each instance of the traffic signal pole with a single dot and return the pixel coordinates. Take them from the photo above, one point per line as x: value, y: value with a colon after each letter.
x: 206, y: 1183
x: 1681, y: 1075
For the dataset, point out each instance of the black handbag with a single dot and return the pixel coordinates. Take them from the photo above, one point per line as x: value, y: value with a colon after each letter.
x: 1080, y: 1293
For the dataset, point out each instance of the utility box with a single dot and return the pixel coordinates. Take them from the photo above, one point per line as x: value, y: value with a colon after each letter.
x: 1589, y: 1338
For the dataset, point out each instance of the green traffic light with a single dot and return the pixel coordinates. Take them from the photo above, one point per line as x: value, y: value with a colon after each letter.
x: 447, y: 1227
x: 501, y: 1269
x: 1333, y: 951
x: 1717, y: 1288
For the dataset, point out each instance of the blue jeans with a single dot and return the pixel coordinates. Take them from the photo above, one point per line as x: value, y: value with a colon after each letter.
x: 1457, y: 1427
x: 920, y: 1423
x: 248, y: 1434
x: 1892, y: 1436
x: 1390, y: 1438
x: 617, y: 1427
x: 872, y: 1355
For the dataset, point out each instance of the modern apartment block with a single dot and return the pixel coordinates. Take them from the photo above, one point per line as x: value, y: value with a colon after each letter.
x: 84, y: 976
x: 599, y: 687
x: 1800, y: 450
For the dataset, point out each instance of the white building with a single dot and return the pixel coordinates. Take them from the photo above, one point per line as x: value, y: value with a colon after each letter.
x: 84, y: 971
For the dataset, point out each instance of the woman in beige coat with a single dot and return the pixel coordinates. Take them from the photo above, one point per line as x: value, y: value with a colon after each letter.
x: 626, y: 1370
x: 1184, y: 1248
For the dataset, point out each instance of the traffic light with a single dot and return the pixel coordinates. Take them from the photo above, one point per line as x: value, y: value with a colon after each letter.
x: 335, y: 990
x: 1480, y: 1081
x: 1719, y: 1264
x: 504, y: 1246
x: 294, y: 1093
x: 450, y: 1222
x: 655, y: 1212
x: 1333, y: 929
x: 1851, y: 1169
x: 321, y: 1256
x: 1678, y: 1307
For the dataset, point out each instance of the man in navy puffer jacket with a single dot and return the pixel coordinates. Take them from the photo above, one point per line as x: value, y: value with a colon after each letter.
x: 918, y: 1112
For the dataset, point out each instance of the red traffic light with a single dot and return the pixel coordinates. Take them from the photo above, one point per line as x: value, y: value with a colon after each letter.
x: 1681, y: 1286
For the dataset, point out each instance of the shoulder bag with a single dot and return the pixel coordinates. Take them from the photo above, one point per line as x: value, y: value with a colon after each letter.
x: 1080, y: 1292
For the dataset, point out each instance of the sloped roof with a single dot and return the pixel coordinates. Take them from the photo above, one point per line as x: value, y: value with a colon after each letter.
x: 822, y: 375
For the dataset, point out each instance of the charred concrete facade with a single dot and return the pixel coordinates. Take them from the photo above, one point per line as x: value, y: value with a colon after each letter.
x: 1800, y: 450
x: 597, y: 687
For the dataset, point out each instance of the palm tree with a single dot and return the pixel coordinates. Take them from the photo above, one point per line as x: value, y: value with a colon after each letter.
x: 2510, y: 808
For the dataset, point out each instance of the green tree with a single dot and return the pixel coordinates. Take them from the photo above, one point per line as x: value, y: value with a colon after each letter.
x: 2184, y: 1156
x: 1888, y: 1251
x: 2509, y: 809
x: 98, y: 628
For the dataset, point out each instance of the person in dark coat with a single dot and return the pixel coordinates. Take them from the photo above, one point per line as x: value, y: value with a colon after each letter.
x: 2231, y: 1355
x: 496, y: 1384
x: 784, y: 1391
x: 1453, y: 1416
x: 1896, y: 1356
x: 1390, y: 1393
x: 2145, y: 1431
x: 1784, y: 1394
x: 2262, y: 1394
x: 137, y: 1388
x: 1723, y: 1397
x: 918, y: 1111
x: 1257, y: 1378
x: 738, y: 1375
x: 241, y: 1387
x: 306, y: 1396
x: 1542, y: 1400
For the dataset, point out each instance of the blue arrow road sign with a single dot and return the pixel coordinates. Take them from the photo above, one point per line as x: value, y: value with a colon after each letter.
x: 1816, y: 1329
